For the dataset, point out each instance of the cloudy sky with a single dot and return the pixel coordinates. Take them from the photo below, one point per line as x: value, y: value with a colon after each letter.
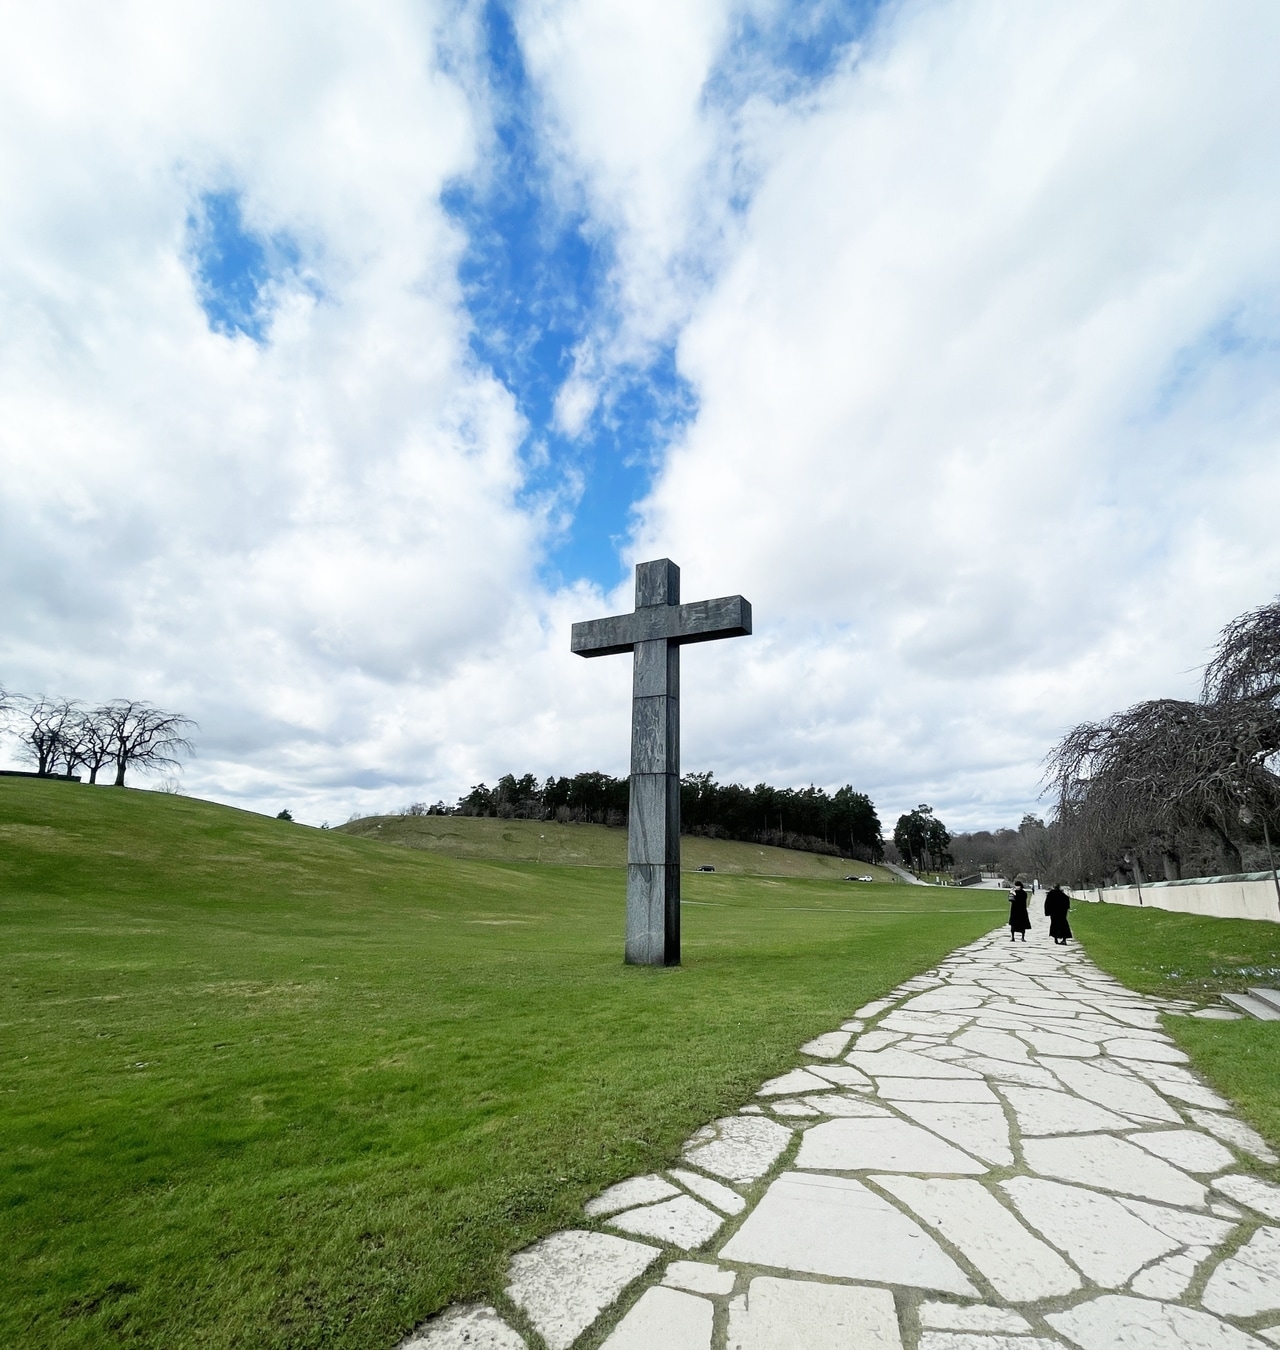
x: 349, y: 352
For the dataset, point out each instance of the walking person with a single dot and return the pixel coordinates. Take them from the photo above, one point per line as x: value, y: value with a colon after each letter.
x: 1056, y: 904
x: 1019, y: 918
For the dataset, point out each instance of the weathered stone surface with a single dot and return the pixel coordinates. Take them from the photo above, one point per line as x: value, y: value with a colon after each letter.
x: 904, y: 1064
x: 1188, y: 1149
x: 1247, y: 1283
x: 935, y: 1090
x: 798, y: 1080
x: 1251, y: 1191
x: 794, y: 1108
x: 699, y: 1277
x: 824, y: 1225
x: 665, y: 1317
x: 1154, y: 1050
x: 633, y: 1191
x: 738, y: 1148
x: 972, y: 1340
x: 994, y: 1045
x: 1114, y: 1322
x: 1234, y: 1132
x: 1179, y: 1224
x: 830, y: 1045
x: 1100, y: 1160
x: 843, y: 1075
x: 729, y: 1202
x: 564, y: 1282
x: 779, y: 1314
x: 682, y: 1222
x: 1104, y: 1239
x: 977, y: 1127
x: 1059, y: 1043
x: 974, y: 1317
x: 1039, y: 1111
x: 1117, y: 1092
x: 470, y: 1326
x: 838, y: 1104
x: 878, y: 1040
x: 1020, y: 1267
x: 1168, y: 1279
x: 856, y: 1145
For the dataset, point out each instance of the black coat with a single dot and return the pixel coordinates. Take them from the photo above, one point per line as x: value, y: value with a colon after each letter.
x: 1056, y: 904
x: 1019, y: 919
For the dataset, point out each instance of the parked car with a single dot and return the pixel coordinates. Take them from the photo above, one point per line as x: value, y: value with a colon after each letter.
x: 706, y: 867
x: 859, y: 878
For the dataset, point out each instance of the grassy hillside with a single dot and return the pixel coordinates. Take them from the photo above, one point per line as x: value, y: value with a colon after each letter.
x: 545, y: 841
x: 268, y: 1086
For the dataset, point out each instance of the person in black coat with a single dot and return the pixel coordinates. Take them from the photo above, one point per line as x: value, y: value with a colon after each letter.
x: 1056, y: 904
x: 1019, y: 918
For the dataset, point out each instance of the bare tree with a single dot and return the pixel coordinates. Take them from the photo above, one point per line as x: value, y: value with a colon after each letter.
x: 144, y: 737
x: 50, y: 734
x: 1246, y: 664
x: 96, y: 750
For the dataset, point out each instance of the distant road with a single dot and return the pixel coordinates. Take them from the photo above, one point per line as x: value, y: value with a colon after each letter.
x: 905, y: 875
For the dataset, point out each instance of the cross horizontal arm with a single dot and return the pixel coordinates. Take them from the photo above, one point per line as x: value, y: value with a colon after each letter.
x: 700, y: 621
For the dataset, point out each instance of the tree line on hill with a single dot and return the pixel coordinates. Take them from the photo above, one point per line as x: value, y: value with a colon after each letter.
x: 843, y: 823
x: 57, y: 736
x: 922, y: 840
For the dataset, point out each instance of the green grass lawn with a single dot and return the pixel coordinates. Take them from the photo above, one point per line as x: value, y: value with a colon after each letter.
x: 547, y: 841
x: 269, y: 1086
x: 1186, y: 956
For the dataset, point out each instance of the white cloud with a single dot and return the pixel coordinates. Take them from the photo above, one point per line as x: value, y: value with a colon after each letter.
x: 987, y: 426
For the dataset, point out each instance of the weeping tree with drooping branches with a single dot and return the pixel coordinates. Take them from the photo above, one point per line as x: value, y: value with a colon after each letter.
x: 1167, y: 777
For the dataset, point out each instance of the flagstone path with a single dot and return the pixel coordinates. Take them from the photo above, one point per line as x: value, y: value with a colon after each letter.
x: 1006, y: 1153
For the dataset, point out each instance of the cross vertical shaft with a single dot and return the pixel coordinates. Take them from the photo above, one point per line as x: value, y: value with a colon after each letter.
x: 655, y: 632
x: 653, y: 833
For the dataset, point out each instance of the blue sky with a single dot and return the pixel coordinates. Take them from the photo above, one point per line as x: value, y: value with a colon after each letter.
x: 352, y: 352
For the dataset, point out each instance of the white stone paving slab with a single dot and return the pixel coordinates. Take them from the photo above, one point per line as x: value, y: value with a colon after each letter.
x: 1234, y: 1132
x: 1019, y: 1266
x: 793, y: 1108
x: 1044, y: 1111
x: 843, y: 1075
x: 1188, y: 1149
x: 1248, y: 1283
x: 1059, y: 1043
x: 1120, y: 1092
x: 853, y: 1026
x: 905, y: 1064
x: 682, y: 1222
x: 1006, y: 1071
x: 1115, y: 1322
x: 874, y: 1007
x: 699, y: 1277
x: 633, y: 1191
x: 665, y: 1317
x: 1270, y: 1334
x: 738, y: 1148
x: 839, y: 1104
x: 779, y: 1314
x: 830, y: 1045
x: 1168, y: 1279
x: 977, y: 1127
x: 1179, y: 1224
x: 824, y: 1225
x: 724, y: 1199
x: 469, y: 1326
x: 858, y: 1145
x: 798, y: 1080
x: 1104, y: 1240
x: 1151, y: 1050
x: 935, y: 1090
x: 972, y: 1340
x: 973, y: 1317
x: 565, y: 1282
x: 1111, y: 1164
x: 878, y: 1040
x: 1251, y: 1191
x: 994, y: 1045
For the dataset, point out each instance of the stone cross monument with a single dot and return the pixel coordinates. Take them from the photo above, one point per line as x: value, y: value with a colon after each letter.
x: 656, y: 631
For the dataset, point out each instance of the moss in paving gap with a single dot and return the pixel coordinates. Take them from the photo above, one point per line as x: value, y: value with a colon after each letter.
x: 1190, y: 956
x: 270, y: 1086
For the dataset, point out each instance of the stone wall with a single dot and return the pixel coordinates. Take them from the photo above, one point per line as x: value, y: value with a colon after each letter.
x: 1250, y: 895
